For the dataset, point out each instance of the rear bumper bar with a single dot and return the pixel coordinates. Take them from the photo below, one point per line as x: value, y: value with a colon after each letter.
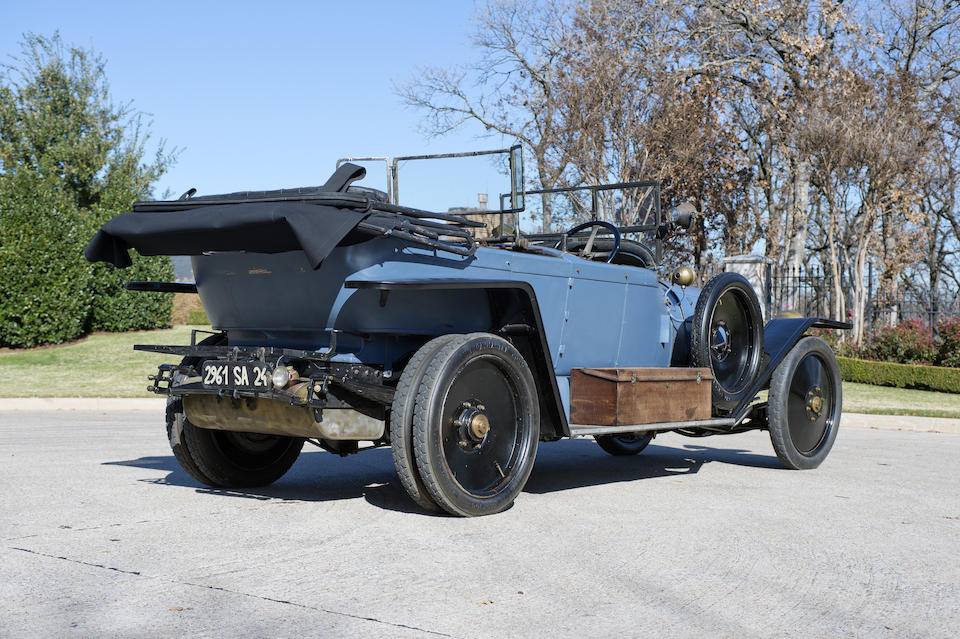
x: 321, y: 384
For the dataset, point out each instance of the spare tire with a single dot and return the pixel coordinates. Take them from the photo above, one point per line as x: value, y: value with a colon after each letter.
x: 727, y: 337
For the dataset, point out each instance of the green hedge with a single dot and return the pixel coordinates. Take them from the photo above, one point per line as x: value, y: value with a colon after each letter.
x: 48, y: 292
x: 45, y: 292
x: 116, y: 309
x: 935, y: 378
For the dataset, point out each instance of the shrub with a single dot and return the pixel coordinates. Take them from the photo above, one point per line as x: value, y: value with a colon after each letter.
x: 44, y: 280
x: 117, y: 309
x: 949, y: 352
x: 909, y: 342
x: 70, y: 158
x: 935, y: 378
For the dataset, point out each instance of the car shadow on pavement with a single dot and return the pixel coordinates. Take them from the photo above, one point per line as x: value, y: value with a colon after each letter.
x: 577, y: 463
x: 562, y: 465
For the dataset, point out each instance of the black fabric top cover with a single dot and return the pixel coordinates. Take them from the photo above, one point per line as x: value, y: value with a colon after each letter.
x: 255, y: 226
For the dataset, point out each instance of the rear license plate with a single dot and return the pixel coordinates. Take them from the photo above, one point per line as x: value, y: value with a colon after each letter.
x: 236, y: 375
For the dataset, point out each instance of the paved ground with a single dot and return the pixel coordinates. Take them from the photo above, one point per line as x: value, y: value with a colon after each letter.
x: 103, y: 535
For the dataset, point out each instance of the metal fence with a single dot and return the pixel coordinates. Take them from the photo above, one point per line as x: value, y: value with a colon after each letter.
x: 890, y: 312
x: 798, y: 290
x: 810, y: 291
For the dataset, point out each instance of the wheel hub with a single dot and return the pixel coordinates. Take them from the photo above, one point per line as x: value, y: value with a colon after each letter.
x: 814, y: 403
x: 479, y: 425
x: 721, y: 341
x: 473, y: 424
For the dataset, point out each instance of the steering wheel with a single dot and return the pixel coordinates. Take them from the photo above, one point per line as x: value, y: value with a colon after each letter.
x: 597, y: 225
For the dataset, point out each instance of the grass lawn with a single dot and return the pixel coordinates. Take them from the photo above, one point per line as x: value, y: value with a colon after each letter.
x: 882, y: 400
x: 101, y: 365
x: 105, y: 365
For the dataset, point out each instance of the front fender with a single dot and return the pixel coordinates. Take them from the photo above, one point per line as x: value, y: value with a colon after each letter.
x: 779, y: 336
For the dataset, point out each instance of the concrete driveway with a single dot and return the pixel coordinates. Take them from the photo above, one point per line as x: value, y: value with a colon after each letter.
x: 103, y: 535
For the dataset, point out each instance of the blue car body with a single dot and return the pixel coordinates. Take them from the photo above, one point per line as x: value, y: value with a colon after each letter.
x: 592, y: 314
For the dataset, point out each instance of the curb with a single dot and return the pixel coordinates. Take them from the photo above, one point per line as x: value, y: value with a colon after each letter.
x: 107, y: 404
x: 97, y: 404
x: 901, y: 422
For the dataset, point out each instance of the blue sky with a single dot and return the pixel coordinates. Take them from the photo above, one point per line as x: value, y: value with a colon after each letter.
x: 264, y: 95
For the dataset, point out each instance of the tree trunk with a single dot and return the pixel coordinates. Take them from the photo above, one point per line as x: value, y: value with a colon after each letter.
x: 839, y: 309
x: 546, y: 199
x: 547, y: 209
x: 797, y: 241
x: 857, y: 285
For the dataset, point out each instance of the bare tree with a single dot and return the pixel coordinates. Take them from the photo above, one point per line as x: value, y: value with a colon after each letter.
x: 817, y: 132
x: 919, y: 46
x: 511, y: 90
x: 632, y: 112
x: 781, y: 53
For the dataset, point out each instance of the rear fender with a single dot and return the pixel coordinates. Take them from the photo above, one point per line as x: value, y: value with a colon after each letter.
x: 779, y: 336
x: 515, y: 315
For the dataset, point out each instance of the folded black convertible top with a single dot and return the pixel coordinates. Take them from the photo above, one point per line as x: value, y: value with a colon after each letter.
x: 312, y: 219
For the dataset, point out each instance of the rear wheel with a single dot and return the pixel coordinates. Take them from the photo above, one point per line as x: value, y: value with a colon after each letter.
x: 476, y: 425
x: 175, y: 422
x: 623, y: 444
x: 804, y: 404
x: 227, y: 459
x: 401, y: 422
x: 242, y: 460
x: 230, y: 459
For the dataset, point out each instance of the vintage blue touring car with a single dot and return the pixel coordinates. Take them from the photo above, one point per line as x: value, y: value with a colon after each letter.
x: 463, y: 343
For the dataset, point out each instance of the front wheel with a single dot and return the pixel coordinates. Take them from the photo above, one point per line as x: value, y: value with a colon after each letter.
x: 476, y: 425
x: 804, y: 404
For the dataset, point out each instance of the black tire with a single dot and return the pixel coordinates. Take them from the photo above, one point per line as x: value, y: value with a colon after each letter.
x: 240, y: 460
x: 727, y: 337
x: 630, y: 253
x: 624, y: 444
x: 175, y: 418
x: 476, y: 425
x: 227, y: 459
x: 178, y: 444
x: 804, y: 404
x: 401, y: 422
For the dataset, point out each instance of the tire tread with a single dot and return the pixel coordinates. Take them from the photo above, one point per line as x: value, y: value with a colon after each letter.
x: 178, y: 443
x: 401, y: 422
